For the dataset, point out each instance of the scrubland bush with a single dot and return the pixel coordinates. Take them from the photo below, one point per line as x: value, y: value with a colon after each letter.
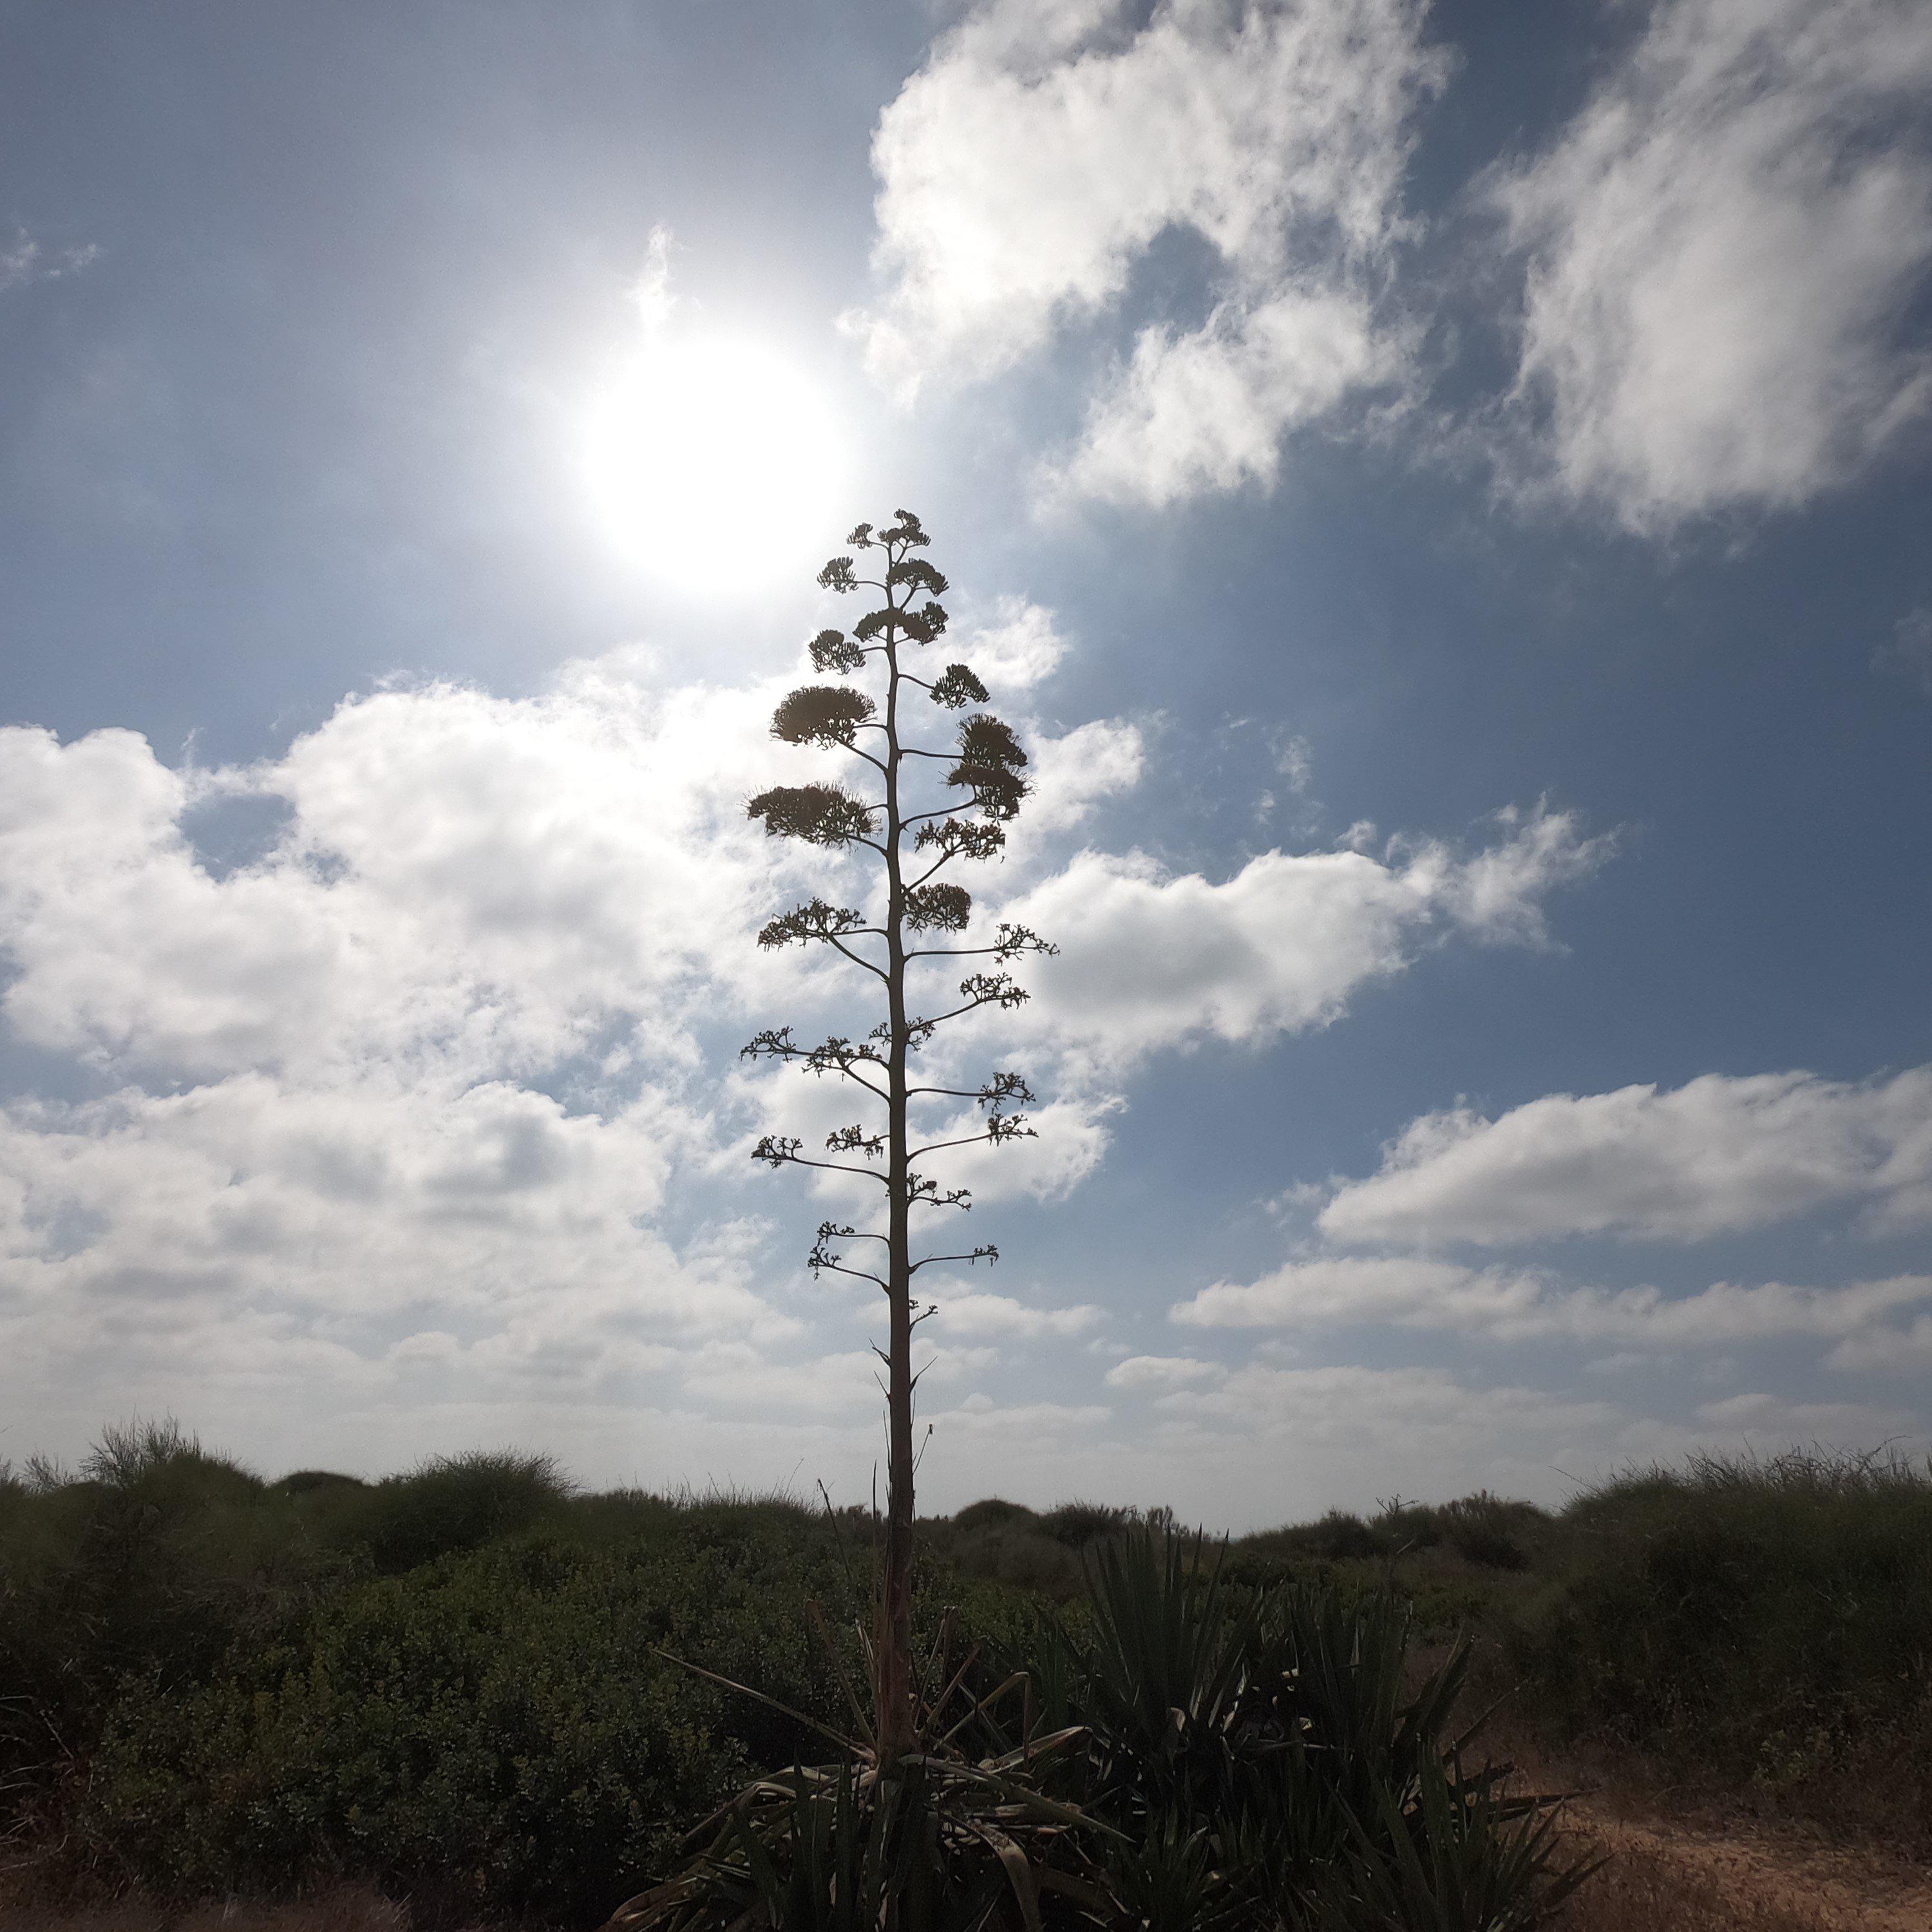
x: 492, y: 1731
x: 1491, y: 1530
x: 994, y: 1513
x: 449, y: 1503
x: 1008, y: 1543
x: 449, y: 1679
x: 1190, y: 1757
x: 1077, y: 1524
x: 156, y: 1555
x: 1485, y: 1530
x: 1767, y: 1621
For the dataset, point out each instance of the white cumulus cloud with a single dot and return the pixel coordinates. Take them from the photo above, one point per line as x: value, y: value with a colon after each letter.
x: 1720, y: 1154
x: 1029, y: 167
x: 1522, y: 1304
x: 1721, y: 248
x: 1150, y: 958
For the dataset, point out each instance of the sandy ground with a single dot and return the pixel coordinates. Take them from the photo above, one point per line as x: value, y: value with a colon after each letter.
x: 1678, y: 1876
x: 1663, y: 1876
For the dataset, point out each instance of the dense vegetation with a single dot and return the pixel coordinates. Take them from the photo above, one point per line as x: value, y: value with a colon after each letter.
x: 452, y: 1680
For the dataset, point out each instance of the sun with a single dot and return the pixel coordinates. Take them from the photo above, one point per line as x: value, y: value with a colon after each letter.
x: 715, y: 462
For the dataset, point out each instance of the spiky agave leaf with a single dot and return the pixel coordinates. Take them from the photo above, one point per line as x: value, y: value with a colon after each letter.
x: 944, y: 1844
x: 820, y: 815
x: 1450, y: 1855
x: 821, y: 714
x: 1177, y: 1880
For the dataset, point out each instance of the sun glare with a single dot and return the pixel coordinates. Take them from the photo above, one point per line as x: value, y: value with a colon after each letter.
x: 715, y: 463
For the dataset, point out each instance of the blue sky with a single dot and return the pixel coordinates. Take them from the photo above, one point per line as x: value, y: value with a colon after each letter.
x: 1442, y: 492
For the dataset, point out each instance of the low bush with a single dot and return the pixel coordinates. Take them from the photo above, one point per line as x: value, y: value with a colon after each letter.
x: 1077, y: 1524
x: 1489, y: 1531
x: 993, y: 1513
x: 156, y: 1556
x: 491, y: 1733
x: 1765, y: 1622
x: 450, y: 1503
x: 449, y: 1679
x: 1190, y: 1757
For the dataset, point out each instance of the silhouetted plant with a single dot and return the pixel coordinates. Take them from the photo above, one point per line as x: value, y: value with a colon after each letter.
x: 1273, y: 1758
x: 913, y: 912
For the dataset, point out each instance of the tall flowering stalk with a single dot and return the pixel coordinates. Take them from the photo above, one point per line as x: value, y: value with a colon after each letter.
x: 921, y: 915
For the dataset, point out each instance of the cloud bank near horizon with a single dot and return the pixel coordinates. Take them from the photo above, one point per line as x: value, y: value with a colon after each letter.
x: 395, y: 1065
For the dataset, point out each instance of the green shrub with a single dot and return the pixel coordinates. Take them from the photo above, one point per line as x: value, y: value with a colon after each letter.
x: 449, y: 1504
x: 155, y: 1557
x: 994, y: 1512
x: 1770, y: 1621
x: 306, y: 1482
x: 1488, y: 1530
x: 493, y: 1732
x: 1339, y: 1537
x: 1192, y: 1757
x: 1077, y: 1524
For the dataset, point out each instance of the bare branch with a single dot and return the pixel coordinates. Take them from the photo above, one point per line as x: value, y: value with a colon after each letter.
x: 988, y: 1253
x: 819, y: 1268
x: 1003, y: 948
x: 825, y: 1255
x: 835, y: 1055
x: 1000, y: 1129
x: 816, y: 919
x: 833, y: 1231
x: 781, y: 1150
x: 982, y: 989
x: 922, y: 1191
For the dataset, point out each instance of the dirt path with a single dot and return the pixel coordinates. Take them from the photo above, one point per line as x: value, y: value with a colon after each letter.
x: 1665, y: 1875
x: 1679, y: 1876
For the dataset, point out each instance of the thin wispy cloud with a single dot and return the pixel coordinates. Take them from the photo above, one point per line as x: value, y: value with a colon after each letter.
x: 26, y: 259
x: 1517, y: 1305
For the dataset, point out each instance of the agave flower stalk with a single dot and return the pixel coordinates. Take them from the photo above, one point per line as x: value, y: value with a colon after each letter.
x: 922, y: 920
